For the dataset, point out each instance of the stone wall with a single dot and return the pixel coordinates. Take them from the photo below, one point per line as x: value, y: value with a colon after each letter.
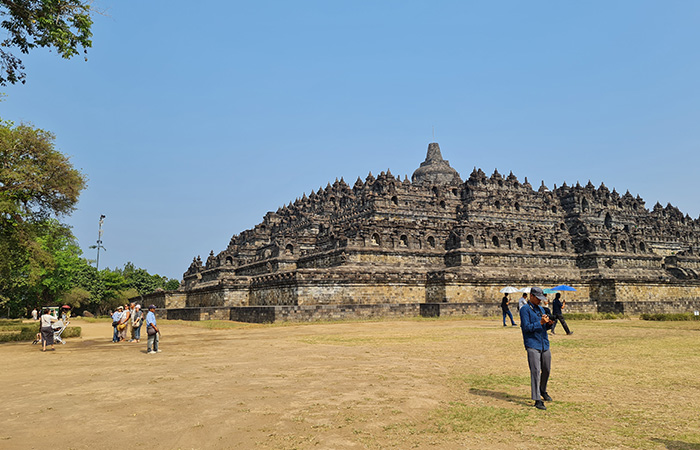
x: 491, y: 309
x: 312, y: 313
x: 656, y: 293
x: 196, y: 314
x: 161, y: 299
x: 360, y: 293
x: 644, y: 307
x: 450, y: 290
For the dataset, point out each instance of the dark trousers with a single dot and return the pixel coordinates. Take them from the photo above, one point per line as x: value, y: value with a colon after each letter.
x: 540, y: 363
x: 507, y: 312
x: 560, y: 318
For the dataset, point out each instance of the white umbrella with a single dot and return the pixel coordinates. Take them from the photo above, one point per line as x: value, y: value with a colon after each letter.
x: 525, y: 290
x: 508, y: 290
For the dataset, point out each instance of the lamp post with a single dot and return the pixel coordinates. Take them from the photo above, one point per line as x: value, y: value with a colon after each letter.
x: 99, y: 242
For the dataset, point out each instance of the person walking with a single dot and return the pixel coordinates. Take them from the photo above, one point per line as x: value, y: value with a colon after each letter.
x: 558, y: 315
x: 152, y: 331
x: 46, y: 329
x: 136, y: 322
x: 534, y: 323
x: 506, y: 310
x: 35, y: 314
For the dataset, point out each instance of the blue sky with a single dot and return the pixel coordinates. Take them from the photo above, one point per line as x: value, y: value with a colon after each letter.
x: 193, y: 119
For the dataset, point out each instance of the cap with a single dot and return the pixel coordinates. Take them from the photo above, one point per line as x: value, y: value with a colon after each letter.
x: 537, y: 292
x: 152, y: 307
x: 120, y: 307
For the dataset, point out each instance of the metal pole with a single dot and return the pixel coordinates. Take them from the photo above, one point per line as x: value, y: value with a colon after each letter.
x: 99, y: 242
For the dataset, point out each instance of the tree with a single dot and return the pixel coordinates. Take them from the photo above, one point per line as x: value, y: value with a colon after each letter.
x: 144, y: 282
x: 36, y: 180
x: 38, y: 184
x: 62, y: 25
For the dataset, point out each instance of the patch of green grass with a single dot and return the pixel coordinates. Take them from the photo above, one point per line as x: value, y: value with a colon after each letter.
x: 4, y: 322
x: 574, y: 343
x: 492, y: 381
x: 462, y: 418
x: 95, y: 319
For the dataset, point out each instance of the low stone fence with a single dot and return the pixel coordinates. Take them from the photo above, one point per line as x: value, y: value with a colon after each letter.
x: 491, y: 309
x: 311, y: 313
x: 200, y: 313
x: 662, y: 307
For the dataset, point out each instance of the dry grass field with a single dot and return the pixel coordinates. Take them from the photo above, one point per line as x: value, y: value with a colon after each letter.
x: 427, y: 384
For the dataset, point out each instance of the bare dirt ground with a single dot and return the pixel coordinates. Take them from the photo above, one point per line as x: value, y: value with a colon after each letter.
x: 438, y: 384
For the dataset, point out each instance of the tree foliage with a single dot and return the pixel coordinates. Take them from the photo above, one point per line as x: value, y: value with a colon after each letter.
x: 38, y: 185
x: 36, y: 180
x: 61, y: 25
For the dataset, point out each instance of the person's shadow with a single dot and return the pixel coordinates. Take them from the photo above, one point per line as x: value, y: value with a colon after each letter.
x: 500, y: 396
x: 677, y: 445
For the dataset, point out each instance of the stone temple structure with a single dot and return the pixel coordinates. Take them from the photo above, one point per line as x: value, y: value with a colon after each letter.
x: 440, y: 245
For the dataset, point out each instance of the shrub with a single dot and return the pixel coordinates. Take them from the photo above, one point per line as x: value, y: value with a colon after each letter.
x: 594, y: 316
x: 670, y: 317
x: 27, y: 332
x: 72, y: 332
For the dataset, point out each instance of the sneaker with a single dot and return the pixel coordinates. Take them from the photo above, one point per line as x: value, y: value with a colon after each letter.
x: 569, y: 333
x: 539, y: 404
x: 515, y: 324
x: 150, y: 352
x: 546, y: 397
x: 158, y: 351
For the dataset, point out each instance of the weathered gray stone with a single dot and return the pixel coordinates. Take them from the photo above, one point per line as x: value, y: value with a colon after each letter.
x: 439, y: 240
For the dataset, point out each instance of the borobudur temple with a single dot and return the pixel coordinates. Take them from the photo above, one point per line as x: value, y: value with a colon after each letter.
x: 439, y: 245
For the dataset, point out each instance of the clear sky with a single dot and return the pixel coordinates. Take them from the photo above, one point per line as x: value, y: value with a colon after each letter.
x: 193, y: 119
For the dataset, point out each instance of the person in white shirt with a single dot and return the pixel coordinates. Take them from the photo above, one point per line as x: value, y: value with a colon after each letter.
x: 523, y: 301
x: 47, y: 330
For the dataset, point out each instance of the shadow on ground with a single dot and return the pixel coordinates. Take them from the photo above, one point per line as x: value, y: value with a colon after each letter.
x: 677, y: 445
x: 500, y: 396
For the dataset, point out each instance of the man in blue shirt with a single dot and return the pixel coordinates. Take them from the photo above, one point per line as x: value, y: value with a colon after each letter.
x: 534, y: 323
x: 152, y: 331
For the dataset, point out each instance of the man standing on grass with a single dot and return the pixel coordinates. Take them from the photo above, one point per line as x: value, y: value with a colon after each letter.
x: 534, y: 323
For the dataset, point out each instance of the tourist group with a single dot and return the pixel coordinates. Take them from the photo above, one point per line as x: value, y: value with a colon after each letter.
x: 127, y: 320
